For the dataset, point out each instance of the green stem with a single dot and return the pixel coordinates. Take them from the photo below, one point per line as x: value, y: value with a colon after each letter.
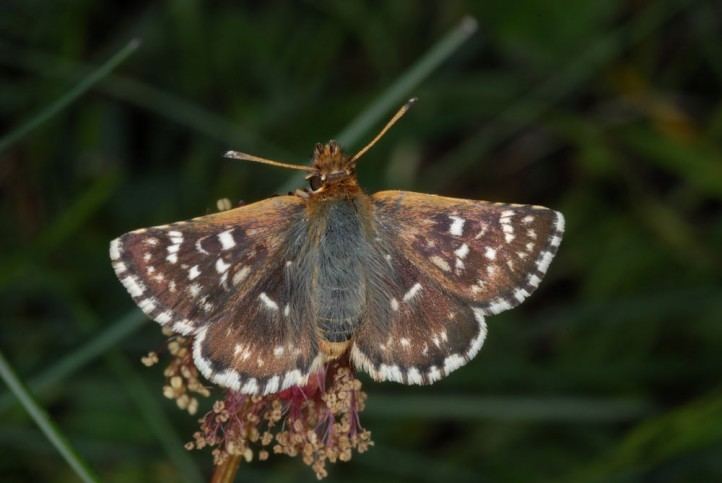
x: 399, y: 91
x: 226, y: 472
x: 72, y: 362
x: 68, y: 98
x: 42, y: 419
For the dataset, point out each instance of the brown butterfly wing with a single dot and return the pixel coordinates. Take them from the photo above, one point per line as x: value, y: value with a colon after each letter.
x: 223, y: 279
x: 490, y: 254
x: 414, y: 332
x: 468, y: 259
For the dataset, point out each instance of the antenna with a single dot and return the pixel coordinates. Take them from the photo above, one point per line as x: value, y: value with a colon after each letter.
x: 399, y: 114
x: 257, y: 159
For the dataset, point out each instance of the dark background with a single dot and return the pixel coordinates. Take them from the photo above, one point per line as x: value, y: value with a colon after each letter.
x: 608, y: 111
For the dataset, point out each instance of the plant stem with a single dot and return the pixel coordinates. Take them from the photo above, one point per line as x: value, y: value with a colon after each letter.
x: 43, y: 421
x: 226, y: 472
x: 68, y: 98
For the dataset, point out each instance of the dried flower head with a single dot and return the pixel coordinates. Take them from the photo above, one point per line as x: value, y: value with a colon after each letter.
x: 183, y: 381
x: 318, y: 422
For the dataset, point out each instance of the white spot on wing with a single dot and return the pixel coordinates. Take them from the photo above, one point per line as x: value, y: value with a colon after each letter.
x: 228, y: 378
x: 390, y: 373
x: 456, y: 227
x: 440, y: 262
x: 268, y: 301
x: 413, y: 291
x: 134, y: 286
x: 147, y: 305
x: 477, y: 341
x: 250, y: 387
x: 183, y: 327
x: 199, y: 247
x: 292, y: 378
x: 394, y: 304
x: 560, y: 223
x: 499, y: 305
x: 226, y: 239
x: 221, y: 265
x: 241, y: 275
x: 453, y: 362
x: 115, y: 249
x: 434, y: 374
x: 203, y: 364
x: 544, y: 261
x: 520, y: 294
x: 462, y: 251
x: 193, y: 272
x: 272, y: 385
x: 490, y: 253
x: 413, y: 376
x: 164, y: 317
x: 194, y: 289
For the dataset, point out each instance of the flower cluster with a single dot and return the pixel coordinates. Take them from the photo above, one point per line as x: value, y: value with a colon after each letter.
x: 182, y: 378
x: 318, y: 422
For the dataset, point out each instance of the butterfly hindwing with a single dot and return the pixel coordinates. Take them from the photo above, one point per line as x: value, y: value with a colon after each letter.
x: 415, y: 332
x: 222, y: 278
x: 452, y: 262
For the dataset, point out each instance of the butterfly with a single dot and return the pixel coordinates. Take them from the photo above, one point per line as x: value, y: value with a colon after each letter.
x: 401, y: 283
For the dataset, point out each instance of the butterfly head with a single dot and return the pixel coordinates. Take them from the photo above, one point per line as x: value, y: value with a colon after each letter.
x: 332, y: 172
x: 331, y: 168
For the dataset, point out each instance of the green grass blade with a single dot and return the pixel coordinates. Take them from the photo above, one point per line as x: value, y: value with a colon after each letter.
x: 665, y: 438
x: 67, y: 223
x: 54, y: 108
x: 132, y: 91
x: 77, y: 359
x: 399, y: 91
x: 157, y: 421
x: 42, y: 419
x: 528, y: 107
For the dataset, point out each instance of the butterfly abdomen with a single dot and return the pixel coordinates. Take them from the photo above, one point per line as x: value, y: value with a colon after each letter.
x: 340, y: 282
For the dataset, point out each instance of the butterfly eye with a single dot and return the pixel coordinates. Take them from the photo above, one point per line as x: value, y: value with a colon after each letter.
x: 315, y: 182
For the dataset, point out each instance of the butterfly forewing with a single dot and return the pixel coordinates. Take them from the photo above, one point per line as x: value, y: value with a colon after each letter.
x: 491, y: 254
x: 221, y: 279
x: 452, y: 262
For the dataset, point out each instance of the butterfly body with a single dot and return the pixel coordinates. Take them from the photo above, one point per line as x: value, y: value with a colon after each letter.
x: 336, y: 250
x: 399, y: 282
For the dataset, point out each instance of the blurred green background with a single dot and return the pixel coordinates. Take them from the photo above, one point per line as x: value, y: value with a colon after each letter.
x: 609, y: 111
